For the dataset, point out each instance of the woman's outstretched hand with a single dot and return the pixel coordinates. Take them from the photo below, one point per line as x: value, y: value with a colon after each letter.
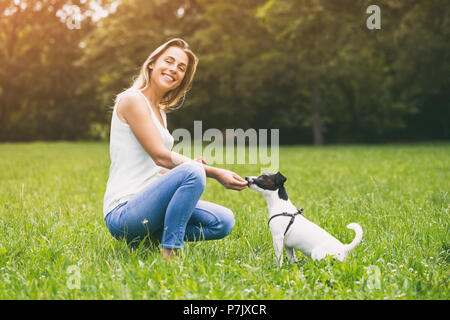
x: 227, y: 178
x: 230, y: 180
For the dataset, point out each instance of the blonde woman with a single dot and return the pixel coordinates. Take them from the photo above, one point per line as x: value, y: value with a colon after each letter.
x: 153, y: 192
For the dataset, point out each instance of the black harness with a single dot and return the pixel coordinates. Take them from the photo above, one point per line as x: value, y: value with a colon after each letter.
x: 285, y: 214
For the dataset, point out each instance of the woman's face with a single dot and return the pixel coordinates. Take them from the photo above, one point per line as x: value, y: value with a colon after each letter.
x: 169, y: 69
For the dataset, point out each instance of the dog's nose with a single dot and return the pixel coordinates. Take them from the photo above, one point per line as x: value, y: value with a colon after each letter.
x: 246, y: 179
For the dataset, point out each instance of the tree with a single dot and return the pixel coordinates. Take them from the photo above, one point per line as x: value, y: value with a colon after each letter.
x: 39, y: 96
x: 314, y: 33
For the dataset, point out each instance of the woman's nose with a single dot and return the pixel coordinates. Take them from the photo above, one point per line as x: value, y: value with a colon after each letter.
x: 173, y: 69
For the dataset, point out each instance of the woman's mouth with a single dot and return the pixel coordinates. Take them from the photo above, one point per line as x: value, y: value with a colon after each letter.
x: 168, y: 77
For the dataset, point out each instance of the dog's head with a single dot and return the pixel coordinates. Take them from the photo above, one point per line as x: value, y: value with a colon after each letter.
x: 267, y: 183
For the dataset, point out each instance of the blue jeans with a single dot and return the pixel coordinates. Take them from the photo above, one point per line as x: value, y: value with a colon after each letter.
x: 169, y: 210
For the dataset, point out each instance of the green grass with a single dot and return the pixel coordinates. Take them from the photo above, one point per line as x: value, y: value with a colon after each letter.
x: 51, y: 218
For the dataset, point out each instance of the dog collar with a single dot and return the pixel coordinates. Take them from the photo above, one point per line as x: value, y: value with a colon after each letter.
x: 285, y: 214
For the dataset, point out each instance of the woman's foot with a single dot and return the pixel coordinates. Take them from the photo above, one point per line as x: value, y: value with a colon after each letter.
x: 169, y: 254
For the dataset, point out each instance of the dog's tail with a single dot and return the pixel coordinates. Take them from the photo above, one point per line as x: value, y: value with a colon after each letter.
x: 359, y: 233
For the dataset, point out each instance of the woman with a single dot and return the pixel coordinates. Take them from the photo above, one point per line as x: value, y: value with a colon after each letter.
x: 153, y: 192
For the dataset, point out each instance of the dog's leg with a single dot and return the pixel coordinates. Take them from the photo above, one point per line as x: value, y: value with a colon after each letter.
x: 290, y: 253
x: 278, y: 246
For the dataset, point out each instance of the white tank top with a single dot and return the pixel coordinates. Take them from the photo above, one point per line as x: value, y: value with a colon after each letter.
x: 131, y: 168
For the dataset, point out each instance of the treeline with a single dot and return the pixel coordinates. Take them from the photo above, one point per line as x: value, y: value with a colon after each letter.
x: 309, y: 67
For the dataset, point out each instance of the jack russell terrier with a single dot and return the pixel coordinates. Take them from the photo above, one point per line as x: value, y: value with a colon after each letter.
x: 291, y: 230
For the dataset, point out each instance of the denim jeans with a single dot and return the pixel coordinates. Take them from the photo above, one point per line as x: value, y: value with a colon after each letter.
x: 169, y: 210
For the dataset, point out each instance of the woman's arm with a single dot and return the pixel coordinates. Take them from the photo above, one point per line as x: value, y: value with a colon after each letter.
x: 134, y: 110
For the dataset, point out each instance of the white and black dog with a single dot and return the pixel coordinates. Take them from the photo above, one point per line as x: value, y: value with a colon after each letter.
x: 291, y: 230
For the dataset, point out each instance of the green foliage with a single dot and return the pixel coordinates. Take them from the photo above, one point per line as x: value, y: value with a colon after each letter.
x: 41, y: 95
x: 51, y: 219
x: 309, y: 67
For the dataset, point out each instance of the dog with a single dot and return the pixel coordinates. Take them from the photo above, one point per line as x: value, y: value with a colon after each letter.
x: 291, y: 230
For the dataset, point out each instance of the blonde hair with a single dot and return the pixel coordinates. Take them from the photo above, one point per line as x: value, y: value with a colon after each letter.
x: 170, y: 99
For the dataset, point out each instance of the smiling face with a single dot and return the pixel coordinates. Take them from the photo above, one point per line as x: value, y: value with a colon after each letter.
x: 169, y: 69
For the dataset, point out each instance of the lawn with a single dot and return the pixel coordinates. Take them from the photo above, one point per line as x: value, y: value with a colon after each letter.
x: 54, y: 243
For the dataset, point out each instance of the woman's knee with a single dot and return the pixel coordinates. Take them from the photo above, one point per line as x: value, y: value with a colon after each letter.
x: 226, y: 221
x: 196, y: 170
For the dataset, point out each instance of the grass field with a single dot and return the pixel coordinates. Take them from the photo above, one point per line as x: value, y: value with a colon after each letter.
x: 55, y: 245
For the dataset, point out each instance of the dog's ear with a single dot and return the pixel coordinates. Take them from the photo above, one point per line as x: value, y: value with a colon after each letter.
x: 279, y: 179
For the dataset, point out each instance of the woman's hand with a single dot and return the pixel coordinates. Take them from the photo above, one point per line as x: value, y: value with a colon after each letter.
x: 201, y: 160
x: 227, y: 178
x: 230, y: 180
